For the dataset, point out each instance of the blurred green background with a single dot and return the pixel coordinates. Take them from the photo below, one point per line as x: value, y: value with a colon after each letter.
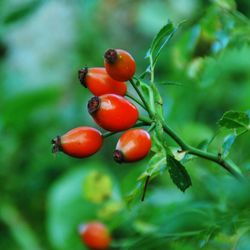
x: 43, y: 198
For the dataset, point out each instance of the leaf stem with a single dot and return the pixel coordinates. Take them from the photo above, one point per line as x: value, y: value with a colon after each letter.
x: 139, y: 124
x: 135, y: 99
x: 226, y: 164
x: 145, y: 119
x: 217, y: 158
x: 138, y: 91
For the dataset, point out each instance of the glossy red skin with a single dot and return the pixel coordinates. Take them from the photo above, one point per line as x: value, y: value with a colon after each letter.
x: 95, y: 235
x: 115, y: 113
x: 81, y: 142
x: 100, y: 83
x: 123, y: 69
x: 134, y: 144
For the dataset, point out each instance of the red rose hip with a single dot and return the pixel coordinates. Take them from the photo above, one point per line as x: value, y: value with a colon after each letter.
x: 99, y: 82
x: 95, y: 235
x: 113, y: 112
x: 79, y: 142
x: 132, y: 146
x: 120, y: 65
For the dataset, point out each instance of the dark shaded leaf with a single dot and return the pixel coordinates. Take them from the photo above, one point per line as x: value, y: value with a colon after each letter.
x: 178, y: 174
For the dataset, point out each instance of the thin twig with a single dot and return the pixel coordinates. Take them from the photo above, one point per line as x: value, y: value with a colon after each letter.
x: 135, y: 99
x: 145, y: 188
x: 139, y: 124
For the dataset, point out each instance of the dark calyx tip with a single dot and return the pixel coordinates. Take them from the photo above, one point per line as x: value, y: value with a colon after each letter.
x: 56, y: 144
x: 82, y: 76
x: 111, y: 56
x: 118, y: 156
x: 93, y: 104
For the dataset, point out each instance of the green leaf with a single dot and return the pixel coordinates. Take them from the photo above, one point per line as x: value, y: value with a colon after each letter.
x: 178, y: 174
x: 155, y: 166
x: 156, y: 143
x: 227, y: 144
x: 234, y: 120
x: 177, y: 153
x: 147, y: 92
x: 159, y: 41
x: 22, y: 12
x: 134, y: 193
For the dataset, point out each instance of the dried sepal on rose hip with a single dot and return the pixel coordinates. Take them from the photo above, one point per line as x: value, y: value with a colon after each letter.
x: 132, y: 146
x: 95, y: 235
x: 79, y: 142
x: 113, y: 112
x: 119, y: 64
x: 99, y: 82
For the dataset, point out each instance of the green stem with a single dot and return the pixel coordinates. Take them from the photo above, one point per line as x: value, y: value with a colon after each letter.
x: 135, y: 99
x: 217, y: 158
x: 152, y: 70
x: 145, y: 119
x: 152, y: 126
x: 226, y: 164
x: 145, y: 103
x: 139, y: 124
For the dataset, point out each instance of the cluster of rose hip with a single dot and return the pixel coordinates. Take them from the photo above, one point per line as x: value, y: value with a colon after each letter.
x: 110, y: 110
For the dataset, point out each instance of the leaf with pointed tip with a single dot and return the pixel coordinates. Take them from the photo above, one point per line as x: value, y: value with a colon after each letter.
x: 178, y: 174
x: 159, y: 41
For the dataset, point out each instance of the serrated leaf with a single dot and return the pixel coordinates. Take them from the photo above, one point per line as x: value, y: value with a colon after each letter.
x: 178, y: 174
x: 234, y: 120
x: 162, y: 37
x: 227, y: 144
x: 155, y: 166
x: 159, y: 41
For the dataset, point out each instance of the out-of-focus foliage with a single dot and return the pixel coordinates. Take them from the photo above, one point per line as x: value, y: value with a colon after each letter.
x: 202, y: 73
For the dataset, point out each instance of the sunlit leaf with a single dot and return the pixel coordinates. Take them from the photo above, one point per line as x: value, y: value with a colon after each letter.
x: 159, y: 41
x: 234, y: 120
